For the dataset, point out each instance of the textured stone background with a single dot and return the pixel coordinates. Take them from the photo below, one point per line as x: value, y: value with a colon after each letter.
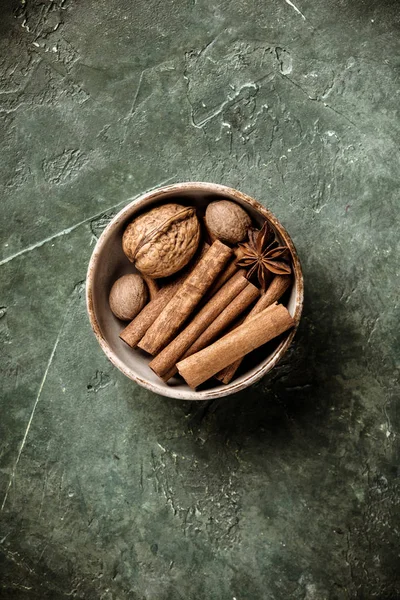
x: 290, y: 489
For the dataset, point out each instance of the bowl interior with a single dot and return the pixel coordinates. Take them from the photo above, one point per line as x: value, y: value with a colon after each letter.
x: 109, y: 262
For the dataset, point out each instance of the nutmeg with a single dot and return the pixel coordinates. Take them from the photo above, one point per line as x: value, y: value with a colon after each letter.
x: 128, y: 296
x: 227, y: 221
x: 163, y: 240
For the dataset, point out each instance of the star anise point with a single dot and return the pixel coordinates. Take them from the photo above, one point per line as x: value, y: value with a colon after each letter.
x: 263, y: 254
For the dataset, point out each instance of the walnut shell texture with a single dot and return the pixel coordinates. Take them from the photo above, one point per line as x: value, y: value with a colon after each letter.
x: 227, y: 221
x: 163, y: 240
x: 128, y: 296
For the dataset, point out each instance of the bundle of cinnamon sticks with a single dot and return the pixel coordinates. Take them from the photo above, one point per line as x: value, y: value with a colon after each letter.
x: 204, y: 321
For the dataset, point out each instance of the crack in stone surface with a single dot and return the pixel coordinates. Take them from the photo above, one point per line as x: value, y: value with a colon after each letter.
x: 38, y: 396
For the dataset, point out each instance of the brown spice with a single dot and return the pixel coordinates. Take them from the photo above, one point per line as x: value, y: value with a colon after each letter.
x: 263, y: 256
x: 163, y: 240
x: 278, y: 287
x: 171, y: 354
x: 227, y: 221
x: 128, y: 296
x: 228, y: 272
x: 237, y: 307
x: 187, y: 297
x: 152, y: 286
x: 258, y: 330
x: 133, y: 333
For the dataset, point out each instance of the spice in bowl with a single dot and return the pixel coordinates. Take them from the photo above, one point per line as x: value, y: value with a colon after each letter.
x: 212, y: 304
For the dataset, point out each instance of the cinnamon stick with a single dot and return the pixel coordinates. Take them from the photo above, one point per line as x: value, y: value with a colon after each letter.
x: 152, y: 286
x: 133, y: 333
x: 187, y: 297
x: 275, y: 291
x: 229, y: 272
x: 238, y: 305
x: 168, y: 357
x: 255, y: 332
x: 210, y: 237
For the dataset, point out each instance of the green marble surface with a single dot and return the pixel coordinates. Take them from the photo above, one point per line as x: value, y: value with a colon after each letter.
x: 291, y: 488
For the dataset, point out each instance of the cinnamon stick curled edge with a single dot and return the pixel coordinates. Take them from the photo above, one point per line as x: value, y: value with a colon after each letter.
x: 187, y: 297
x: 255, y: 332
x: 227, y: 274
x: 171, y: 354
x: 275, y: 291
x: 152, y: 286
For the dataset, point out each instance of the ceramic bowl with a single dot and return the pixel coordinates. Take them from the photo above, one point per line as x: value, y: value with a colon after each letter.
x: 108, y: 262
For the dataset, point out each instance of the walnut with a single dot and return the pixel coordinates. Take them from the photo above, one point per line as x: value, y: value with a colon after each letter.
x: 163, y: 240
x: 128, y: 296
x: 227, y: 221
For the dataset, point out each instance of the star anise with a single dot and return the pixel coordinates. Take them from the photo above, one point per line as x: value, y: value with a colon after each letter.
x: 262, y: 255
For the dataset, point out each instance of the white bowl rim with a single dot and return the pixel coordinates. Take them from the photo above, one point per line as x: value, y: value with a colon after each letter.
x: 162, y: 388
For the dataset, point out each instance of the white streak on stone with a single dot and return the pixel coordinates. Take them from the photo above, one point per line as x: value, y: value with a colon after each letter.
x: 73, y: 227
x: 295, y: 8
x: 49, y: 362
